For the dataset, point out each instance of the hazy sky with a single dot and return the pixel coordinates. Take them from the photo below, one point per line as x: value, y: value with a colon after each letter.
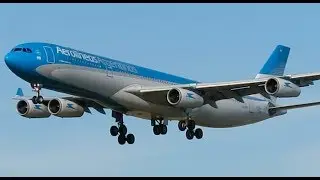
x: 205, y: 42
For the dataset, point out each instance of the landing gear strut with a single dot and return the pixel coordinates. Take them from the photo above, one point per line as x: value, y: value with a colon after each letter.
x: 121, y: 130
x: 190, y: 133
x: 160, y: 127
x: 37, y: 99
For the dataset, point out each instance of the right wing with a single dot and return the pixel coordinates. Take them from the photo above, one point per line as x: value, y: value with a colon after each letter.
x: 222, y: 90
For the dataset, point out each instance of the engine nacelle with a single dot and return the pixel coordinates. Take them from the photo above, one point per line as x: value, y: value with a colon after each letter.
x: 65, y: 108
x: 282, y: 88
x: 184, y: 98
x: 26, y: 108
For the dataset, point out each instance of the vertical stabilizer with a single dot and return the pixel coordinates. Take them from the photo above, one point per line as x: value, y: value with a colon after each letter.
x: 276, y: 63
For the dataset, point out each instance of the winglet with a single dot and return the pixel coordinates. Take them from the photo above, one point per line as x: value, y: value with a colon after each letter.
x: 19, y: 92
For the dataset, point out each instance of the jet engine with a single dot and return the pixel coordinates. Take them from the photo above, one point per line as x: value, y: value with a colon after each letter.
x: 184, y: 98
x: 26, y: 108
x: 65, y: 108
x: 282, y: 88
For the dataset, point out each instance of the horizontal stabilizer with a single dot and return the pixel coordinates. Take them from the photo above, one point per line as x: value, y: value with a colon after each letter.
x: 295, y: 106
x: 19, y: 92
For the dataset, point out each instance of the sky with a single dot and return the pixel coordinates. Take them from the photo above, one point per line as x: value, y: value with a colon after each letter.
x: 205, y: 42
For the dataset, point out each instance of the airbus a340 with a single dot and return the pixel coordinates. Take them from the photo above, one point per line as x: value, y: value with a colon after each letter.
x: 101, y: 83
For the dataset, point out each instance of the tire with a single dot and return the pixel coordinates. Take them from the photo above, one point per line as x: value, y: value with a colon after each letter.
x: 114, y: 130
x: 40, y: 99
x: 181, y: 126
x: 156, y: 130
x: 34, y: 100
x: 198, y: 133
x: 191, y: 124
x: 123, y: 130
x: 121, y: 139
x: 164, y: 129
x: 189, y: 134
x: 130, y: 138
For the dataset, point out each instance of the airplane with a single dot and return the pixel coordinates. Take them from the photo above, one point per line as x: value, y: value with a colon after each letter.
x: 97, y: 82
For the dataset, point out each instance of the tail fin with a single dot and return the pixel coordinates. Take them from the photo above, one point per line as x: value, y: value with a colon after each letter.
x: 19, y: 92
x: 276, y: 63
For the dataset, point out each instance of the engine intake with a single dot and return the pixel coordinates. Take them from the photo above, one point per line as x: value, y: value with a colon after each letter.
x: 184, y: 98
x: 282, y: 88
x: 65, y: 108
x: 26, y: 108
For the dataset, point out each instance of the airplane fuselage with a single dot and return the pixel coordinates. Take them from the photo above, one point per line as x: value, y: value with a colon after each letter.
x: 105, y: 81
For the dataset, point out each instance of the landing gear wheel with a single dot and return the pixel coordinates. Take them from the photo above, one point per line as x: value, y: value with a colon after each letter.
x: 191, y: 124
x: 39, y: 99
x: 189, y: 134
x: 156, y: 130
x: 34, y: 99
x: 198, y: 133
x: 164, y: 129
x: 114, y: 130
x: 121, y: 139
x: 123, y: 129
x: 130, y: 138
x: 182, y: 125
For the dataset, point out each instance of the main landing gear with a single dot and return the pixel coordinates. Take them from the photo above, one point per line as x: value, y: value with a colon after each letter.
x: 37, y: 99
x: 190, y: 133
x: 121, y: 130
x: 160, y: 127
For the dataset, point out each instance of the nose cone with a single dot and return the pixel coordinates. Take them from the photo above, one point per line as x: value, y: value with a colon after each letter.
x: 8, y: 60
x: 23, y: 65
x: 15, y: 63
x: 11, y: 60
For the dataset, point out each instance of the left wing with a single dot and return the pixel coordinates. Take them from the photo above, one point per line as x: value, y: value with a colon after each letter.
x: 223, y: 90
x: 86, y: 103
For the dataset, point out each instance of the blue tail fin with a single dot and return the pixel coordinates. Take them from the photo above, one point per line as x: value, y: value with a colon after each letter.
x: 19, y: 92
x: 276, y: 63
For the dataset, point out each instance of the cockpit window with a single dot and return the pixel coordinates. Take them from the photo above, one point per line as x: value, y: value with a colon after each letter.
x: 27, y: 50
x: 17, y: 49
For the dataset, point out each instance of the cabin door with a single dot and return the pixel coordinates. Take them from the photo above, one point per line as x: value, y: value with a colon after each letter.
x: 50, y: 54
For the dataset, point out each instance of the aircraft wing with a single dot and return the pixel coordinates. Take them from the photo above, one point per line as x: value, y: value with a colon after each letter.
x: 86, y: 103
x: 295, y: 106
x: 222, y: 90
x: 303, y: 80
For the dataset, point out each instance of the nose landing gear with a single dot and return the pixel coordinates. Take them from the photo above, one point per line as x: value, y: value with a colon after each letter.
x: 38, y: 99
